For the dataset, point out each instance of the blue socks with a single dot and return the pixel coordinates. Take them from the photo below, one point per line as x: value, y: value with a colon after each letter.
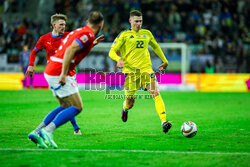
x: 74, y: 124
x: 54, y: 113
x: 66, y: 115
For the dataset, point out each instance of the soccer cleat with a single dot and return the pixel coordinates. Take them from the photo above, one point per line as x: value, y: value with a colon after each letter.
x: 77, y: 132
x: 166, y: 126
x: 124, y: 115
x: 48, y: 138
x: 33, y: 136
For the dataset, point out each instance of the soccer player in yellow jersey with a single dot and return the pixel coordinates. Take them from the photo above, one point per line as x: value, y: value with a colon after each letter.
x: 137, y: 66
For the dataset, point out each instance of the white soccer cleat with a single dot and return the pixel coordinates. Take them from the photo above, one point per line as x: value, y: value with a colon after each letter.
x: 77, y: 132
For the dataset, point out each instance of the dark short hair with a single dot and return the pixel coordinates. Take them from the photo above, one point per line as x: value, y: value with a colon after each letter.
x: 95, y: 17
x: 135, y: 13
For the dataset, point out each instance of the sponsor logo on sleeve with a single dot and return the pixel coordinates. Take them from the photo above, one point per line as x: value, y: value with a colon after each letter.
x: 84, y: 38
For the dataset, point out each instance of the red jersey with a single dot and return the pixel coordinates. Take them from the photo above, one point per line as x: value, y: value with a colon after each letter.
x: 50, y: 43
x: 84, y: 36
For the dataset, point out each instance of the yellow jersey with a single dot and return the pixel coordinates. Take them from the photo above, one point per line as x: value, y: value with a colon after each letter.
x: 133, y: 47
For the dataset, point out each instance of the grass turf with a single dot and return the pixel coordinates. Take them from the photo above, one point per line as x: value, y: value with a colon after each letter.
x: 222, y: 120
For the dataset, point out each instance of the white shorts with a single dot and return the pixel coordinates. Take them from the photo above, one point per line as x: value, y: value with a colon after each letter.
x: 68, y: 89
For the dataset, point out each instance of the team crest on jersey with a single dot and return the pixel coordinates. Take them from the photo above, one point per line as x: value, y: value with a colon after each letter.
x: 84, y: 38
x: 90, y: 35
x: 144, y: 35
x: 114, y: 42
x: 131, y: 36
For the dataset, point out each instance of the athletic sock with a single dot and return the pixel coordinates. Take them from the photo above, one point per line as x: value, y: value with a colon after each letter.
x: 74, y: 124
x: 125, y: 106
x: 65, y: 115
x: 52, y: 115
x: 51, y: 127
x: 160, y: 108
x: 42, y: 125
x: 49, y: 118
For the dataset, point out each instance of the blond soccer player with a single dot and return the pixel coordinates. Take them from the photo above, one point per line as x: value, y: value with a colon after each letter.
x: 60, y: 74
x: 50, y: 42
x: 137, y: 67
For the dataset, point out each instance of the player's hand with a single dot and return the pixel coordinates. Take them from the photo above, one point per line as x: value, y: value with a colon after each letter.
x: 163, y: 66
x: 120, y: 64
x: 30, y: 71
x: 98, y: 40
x: 62, y: 79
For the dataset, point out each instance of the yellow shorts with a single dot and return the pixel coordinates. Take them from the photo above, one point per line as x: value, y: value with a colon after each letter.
x: 134, y: 81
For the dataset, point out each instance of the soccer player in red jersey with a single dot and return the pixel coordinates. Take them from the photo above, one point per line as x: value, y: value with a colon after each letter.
x: 60, y: 74
x: 50, y: 42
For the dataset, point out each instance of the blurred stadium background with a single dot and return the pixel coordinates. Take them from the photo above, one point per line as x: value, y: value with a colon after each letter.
x: 207, y: 43
x: 215, y: 33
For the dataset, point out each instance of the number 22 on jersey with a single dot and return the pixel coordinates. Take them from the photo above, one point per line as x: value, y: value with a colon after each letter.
x: 139, y: 44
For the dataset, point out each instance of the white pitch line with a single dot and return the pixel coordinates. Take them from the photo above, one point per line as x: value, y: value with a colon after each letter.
x: 128, y: 151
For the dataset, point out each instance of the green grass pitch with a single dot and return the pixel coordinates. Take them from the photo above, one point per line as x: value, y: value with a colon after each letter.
x: 223, y: 137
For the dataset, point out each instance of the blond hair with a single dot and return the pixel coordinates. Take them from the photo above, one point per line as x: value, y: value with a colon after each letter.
x: 57, y: 17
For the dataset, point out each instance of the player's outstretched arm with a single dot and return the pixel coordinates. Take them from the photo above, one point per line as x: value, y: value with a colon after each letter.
x: 98, y: 40
x: 68, y: 56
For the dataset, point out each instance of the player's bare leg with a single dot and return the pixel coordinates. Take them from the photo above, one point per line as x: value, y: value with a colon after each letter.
x: 130, y: 101
x: 63, y: 117
x: 35, y: 135
x: 127, y: 104
x: 66, y: 104
x: 63, y: 103
x: 153, y: 89
x: 75, y: 100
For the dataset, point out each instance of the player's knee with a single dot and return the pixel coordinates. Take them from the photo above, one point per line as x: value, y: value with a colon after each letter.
x: 64, y: 105
x: 77, y: 104
x: 79, y: 107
